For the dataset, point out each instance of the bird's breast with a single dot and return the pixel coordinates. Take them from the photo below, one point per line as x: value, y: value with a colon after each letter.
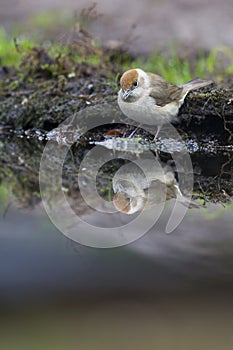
x: 145, y: 110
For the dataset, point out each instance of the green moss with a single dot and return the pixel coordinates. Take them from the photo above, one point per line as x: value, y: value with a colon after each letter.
x: 9, y: 52
x: 16, y: 50
x: 175, y: 68
x: 4, y: 194
x: 216, y: 64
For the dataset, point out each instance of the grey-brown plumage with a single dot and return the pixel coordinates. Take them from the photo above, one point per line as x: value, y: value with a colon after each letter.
x: 164, y: 92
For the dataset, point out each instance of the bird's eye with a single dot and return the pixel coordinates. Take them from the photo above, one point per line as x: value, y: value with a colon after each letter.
x: 135, y: 84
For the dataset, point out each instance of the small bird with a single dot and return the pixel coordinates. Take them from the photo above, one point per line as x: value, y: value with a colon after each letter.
x: 138, y: 187
x: 149, y: 99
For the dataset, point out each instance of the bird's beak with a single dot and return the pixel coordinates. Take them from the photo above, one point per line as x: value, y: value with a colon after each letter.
x: 126, y: 93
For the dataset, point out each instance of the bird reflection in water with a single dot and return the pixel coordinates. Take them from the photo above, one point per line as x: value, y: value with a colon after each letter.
x: 150, y: 183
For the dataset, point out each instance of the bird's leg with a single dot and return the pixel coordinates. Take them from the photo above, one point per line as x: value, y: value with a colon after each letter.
x: 135, y: 130
x: 179, y: 193
x: 157, y: 132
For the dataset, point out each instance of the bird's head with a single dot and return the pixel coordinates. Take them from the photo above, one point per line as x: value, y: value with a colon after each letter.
x: 133, y: 82
x: 128, y: 197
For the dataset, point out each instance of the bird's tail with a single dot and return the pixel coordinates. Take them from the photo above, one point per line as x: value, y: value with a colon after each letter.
x: 195, y: 84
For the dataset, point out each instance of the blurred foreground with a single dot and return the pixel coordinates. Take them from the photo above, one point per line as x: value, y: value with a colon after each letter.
x: 179, y: 323
x: 162, y: 291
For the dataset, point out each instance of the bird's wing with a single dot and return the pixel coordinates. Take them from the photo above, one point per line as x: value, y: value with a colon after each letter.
x: 159, y: 192
x: 156, y: 193
x: 164, y: 92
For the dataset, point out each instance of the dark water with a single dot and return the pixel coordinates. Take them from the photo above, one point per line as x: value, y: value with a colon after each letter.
x: 160, y: 290
x: 39, y: 261
x: 180, y: 284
